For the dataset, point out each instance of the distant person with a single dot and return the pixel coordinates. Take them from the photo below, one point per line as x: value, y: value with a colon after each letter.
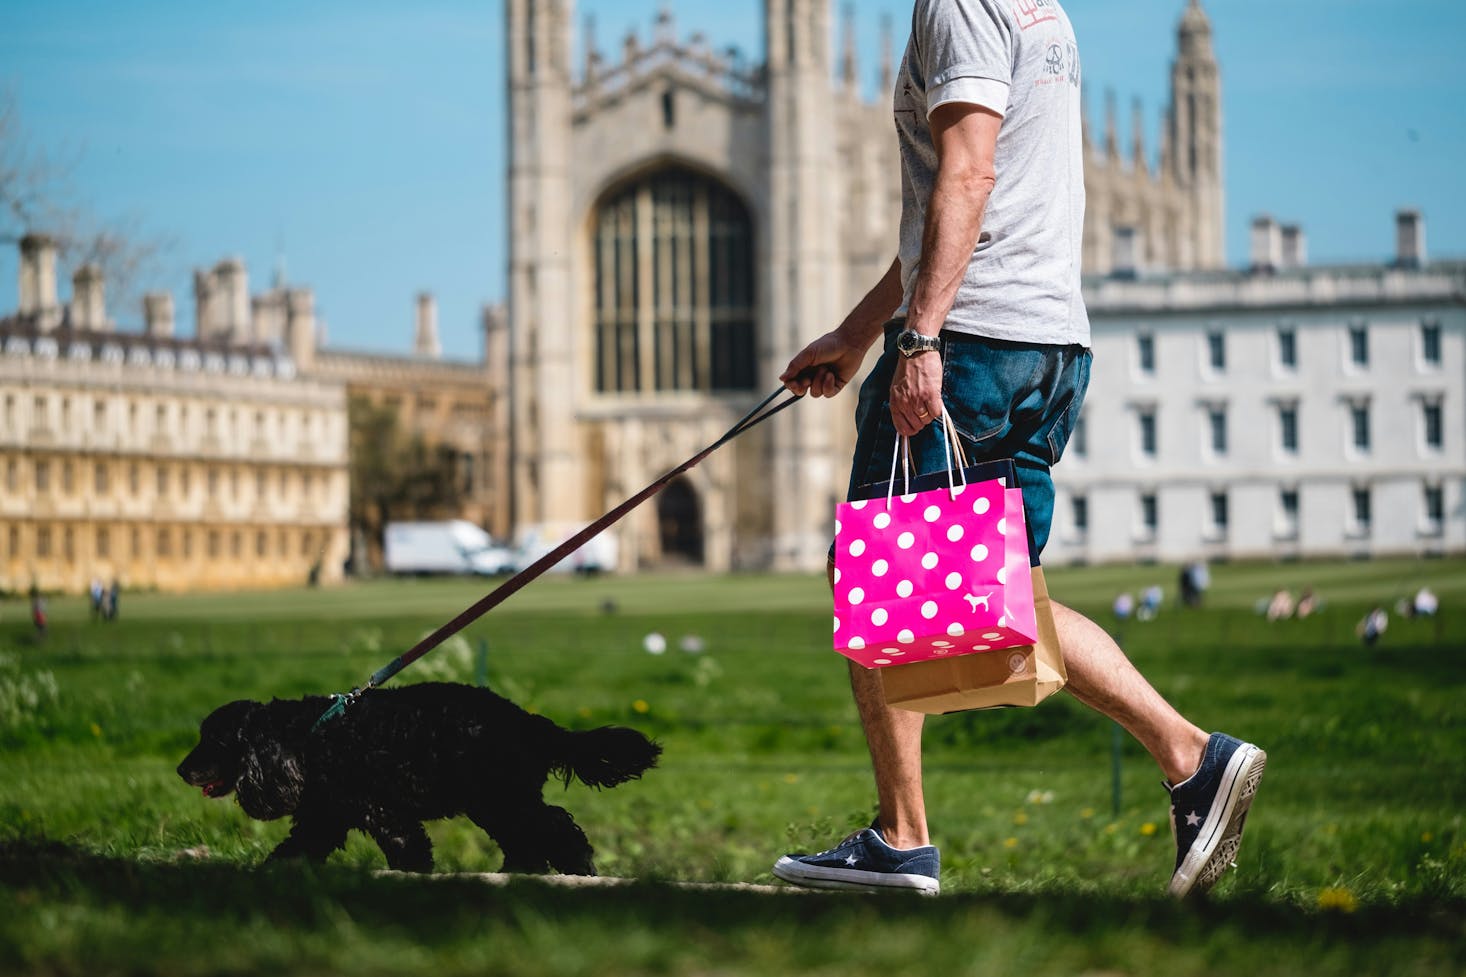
x: 38, y: 613
x: 1281, y: 606
x: 98, y: 594
x: 1426, y: 603
x: 1124, y: 606
x: 112, y: 600
x: 1373, y: 626
x: 1307, y: 603
x: 1151, y: 599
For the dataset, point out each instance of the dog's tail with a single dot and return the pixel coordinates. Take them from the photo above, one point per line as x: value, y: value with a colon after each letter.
x: 606, y: 756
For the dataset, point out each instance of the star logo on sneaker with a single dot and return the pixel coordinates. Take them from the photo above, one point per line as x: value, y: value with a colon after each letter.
x: 851, y: 859
x: 1193, y: 819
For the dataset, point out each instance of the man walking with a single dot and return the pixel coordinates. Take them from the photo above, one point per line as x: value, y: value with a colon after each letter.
x: 983, y: 320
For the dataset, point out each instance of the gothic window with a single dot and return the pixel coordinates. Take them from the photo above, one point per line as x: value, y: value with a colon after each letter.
x: 674, y: 288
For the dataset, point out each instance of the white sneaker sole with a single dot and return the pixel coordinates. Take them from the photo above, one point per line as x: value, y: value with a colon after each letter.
x: 819, y: 877
x: 1215, y: 847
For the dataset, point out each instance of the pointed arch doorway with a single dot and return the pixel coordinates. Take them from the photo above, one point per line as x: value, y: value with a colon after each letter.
x: 679, y: 523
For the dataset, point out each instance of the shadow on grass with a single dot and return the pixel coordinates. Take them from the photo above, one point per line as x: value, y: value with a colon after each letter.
x: 215, y: 894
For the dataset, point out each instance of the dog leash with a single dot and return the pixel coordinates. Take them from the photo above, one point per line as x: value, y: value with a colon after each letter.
x: 341, y: 701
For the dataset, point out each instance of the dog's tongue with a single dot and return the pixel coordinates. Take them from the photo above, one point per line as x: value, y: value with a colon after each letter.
x: 212, y: 788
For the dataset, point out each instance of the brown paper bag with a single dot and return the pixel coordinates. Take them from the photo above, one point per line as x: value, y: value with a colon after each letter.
x: 1022, y: 676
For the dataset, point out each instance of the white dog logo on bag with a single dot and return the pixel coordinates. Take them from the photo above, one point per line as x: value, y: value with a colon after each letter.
x: 974, y: 600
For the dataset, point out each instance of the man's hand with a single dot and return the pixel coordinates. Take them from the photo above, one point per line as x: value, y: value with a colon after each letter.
x: 916, y: 392
x: 824, y: 367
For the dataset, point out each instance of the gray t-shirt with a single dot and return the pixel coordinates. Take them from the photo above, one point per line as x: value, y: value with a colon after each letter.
x: 1019, y: 59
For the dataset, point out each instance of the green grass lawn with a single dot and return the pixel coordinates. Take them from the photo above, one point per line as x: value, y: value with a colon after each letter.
x: 1355, y: 858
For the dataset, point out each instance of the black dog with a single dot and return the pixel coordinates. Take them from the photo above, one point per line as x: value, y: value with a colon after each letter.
x: 399, y: 757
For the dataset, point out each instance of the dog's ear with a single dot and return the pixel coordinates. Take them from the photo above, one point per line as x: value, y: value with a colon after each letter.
x: 272, y: 778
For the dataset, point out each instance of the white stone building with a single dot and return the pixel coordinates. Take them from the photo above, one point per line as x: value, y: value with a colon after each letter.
x: 1276, y: 412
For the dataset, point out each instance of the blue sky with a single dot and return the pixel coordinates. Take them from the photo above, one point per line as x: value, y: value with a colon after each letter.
x: 363, y: 140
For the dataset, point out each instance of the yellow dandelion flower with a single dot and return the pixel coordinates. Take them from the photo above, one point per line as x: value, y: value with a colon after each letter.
x: 1010, y: 842
x: 1111, y: 828
x: 641, y: 706
x: 1020, y: 818
x: 1148, y: 828
x: 1427, y: 837
x: 791, y: 778
x: 585, y: 712
x: 1087, y: 813
x: 96, y: 730
x: 1338, y: 900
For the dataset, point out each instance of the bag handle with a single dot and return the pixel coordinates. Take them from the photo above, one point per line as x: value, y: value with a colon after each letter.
x: 951, y: 444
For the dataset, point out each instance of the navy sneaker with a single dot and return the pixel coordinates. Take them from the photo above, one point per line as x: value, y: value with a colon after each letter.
x: 1208, y: 810
x: 865, y: 862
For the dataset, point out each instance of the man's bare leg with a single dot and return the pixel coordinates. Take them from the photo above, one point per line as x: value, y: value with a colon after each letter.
x: 894, y: 738
x: 1101, y: 677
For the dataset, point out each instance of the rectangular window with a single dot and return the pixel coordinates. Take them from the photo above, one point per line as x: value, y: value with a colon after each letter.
x: 134, y: 478
x: 1219, y: 513
x: 1362, y: 510
x: 1147, y: 433
x: 1287, y: 347
x: 104, y: 542
x: 68, y: 480
x: 1288, y: 514
x: 1079, y: 438
x: 99, y: 478
x: 68, y: 544
x: 43, y: 476
x: 1359, y: 345
x: 1216, y: 419
x: 1145, y: 352
x: 213, y: 544
x: 1432, y: 425
x: 1288, y: 428
x: 162, y: 480
x: 1216, y: 350
x: 165, y: 543
x: 1430, y: 343
x: 12, y: 475
x: 1434, y: 506
x: 43, y: 542
x: 1149, y: 514
x: 1359, y: 426
x: 1079, y: 505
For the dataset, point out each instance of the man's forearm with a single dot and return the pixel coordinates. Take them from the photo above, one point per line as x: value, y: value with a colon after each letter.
x: 953, y: 223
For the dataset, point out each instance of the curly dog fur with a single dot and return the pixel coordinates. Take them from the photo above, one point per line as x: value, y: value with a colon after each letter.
x: 399, y: 757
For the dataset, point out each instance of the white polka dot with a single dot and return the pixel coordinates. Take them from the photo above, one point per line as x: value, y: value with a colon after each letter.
x: 856, y: 643
x: 906, y: 637
x: 1003, y: 526
x: 837, y: 624
x: 1002, y: 574
x: 857, y: 506
x: 882, y: 520
x: 909, y: 498
x: 981, y: 505
x: 991, y: 636
x: 979, y: 553
x: 837, y: 574
x: 942, y: 651
x: 957, y: 492
x: 1003, y: 622
x: 897, y: 654
x: 906, y: 541
x: 932, y: 513
x: 890, y: 651
x: 879, y: 616
x: 929, y: 562
x: 883, y: 661
x: 904, y: 589
x: 982, y: 647
x: 955, y: 630
x: 879, y: 568
x: 837, y: 527
x: 954, y: 580
x: 928, y: 610
x: 857, y: 547
x: 941, y: 644
x: 954, y: 534
x: 855, y: 596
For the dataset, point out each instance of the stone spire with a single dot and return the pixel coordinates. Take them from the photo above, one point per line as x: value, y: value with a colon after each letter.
x: 425, y: 337
x: 848, y: 69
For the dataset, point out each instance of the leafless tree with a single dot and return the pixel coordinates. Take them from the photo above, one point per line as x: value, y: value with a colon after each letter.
x: 36, y: 195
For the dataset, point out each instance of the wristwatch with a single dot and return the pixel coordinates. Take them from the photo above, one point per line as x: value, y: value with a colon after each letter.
x: 911, y: 343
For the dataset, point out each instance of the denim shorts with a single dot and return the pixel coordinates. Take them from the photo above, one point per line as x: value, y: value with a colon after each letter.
x: 1006, y: 400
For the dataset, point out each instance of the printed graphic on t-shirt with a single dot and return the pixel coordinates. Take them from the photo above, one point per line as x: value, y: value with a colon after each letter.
x: 1061, y: 63
x: 1031, y: 13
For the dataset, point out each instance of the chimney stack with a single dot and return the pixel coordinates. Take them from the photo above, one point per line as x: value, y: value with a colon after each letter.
x: 425, y: 340
x: 38, y: 280
x: 1295, y: 246
x: 1409, y: 239
x: 88, y: 300
x: 158, y: 315
x: 1267, y: 246
x: 300, y: 328
x: 234, y: 301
